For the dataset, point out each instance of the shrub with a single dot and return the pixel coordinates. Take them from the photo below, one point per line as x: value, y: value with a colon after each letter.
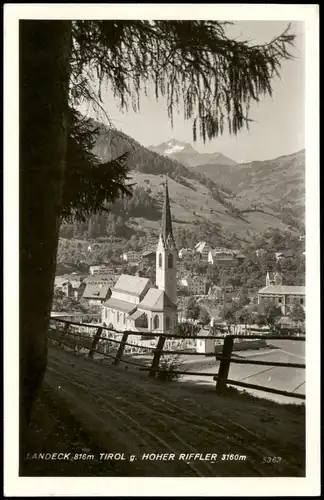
x: 167, y: 368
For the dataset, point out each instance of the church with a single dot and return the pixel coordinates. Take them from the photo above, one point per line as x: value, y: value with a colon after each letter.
x: 138, y: 305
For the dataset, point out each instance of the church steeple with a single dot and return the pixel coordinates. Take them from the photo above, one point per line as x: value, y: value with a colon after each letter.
x: 166, y: 253
x: 166, y: 227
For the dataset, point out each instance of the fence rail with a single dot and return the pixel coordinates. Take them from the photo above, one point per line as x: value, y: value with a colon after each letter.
x: 67, y: 337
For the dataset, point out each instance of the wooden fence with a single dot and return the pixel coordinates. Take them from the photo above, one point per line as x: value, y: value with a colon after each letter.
x: 96, y: 343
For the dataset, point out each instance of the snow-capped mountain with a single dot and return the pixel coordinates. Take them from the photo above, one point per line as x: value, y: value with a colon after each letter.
x: 186, y: 154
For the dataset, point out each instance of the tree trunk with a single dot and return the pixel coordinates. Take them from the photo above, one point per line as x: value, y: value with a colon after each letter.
x: 44, y: 50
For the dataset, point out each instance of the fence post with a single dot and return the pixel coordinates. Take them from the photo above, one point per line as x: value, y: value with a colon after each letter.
x: 65, y: 332
x: 157, y: 356
x: 121, y: 348
x: 96, y: 338
x: 224, y: 364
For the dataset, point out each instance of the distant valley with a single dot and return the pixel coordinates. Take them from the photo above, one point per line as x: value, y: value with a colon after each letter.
x: 242, y: 199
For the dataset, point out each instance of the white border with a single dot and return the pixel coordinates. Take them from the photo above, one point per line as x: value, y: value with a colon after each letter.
x: 15, y: 486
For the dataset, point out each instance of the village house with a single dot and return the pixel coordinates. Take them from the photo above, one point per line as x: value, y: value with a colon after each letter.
x: 185, y: 252
x: 284, y: 254
x: 62, y: 283
x: 284, y: 296
x: 239, y: 256
x: 132, y: 256
x: 215, y: 292
x: 101, y: 279
x: 194, y: 284
x: 69, y: 287
x: 273, y: 279
x: 205, y: 346
x: 77, y: 289
x: 203, y: 248
x: 221, y: 257
x: 96, y: 294
x: 260, y: 252
x: 94, y: 269
x: 135, y: 304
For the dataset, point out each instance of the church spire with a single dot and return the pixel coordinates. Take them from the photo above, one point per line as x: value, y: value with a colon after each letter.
x: 166, y: 229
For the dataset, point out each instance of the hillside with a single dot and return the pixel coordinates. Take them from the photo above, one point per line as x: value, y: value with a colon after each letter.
x: 276, y: 186
x: 200, y: 204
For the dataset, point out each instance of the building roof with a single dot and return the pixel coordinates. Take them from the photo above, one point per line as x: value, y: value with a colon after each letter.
x: 156, y: 300
x: 219, y: 251
x: 120, y: 305
x: 201, y: 246
x: 99, y: 292
x: 136, y: 314
x: 63, y: 314
x: 76, y: 283
x: 60, y: 280
x: 133, y: 285
x: 147, y: 253
x: 283, y: 290
x: 240, y: 256
x: 102, y: 277
x: 204, y: 332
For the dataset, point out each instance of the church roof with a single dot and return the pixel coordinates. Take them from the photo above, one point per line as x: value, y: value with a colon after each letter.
x: 133, y: 285
x: 156, y: 300
x: 136, y: 314
x: 166, y: 230
x: 283, y: 289
x: 120, y: 305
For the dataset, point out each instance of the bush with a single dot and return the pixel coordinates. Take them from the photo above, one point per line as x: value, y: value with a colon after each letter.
x: 167, y: 368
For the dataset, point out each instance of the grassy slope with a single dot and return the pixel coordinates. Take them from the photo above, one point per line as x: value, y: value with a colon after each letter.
x: 281, y: 180
x: 186, y: 201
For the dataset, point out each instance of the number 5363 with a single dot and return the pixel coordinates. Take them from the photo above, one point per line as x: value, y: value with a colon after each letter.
x: 271, y: 460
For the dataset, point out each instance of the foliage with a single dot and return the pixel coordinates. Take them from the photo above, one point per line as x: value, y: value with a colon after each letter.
x: 297, y: 314
x: 193, y: 62
x: 89, y: 183
x: 187, y: 328
x: 268, y: 314
x: 168, y: 366
x: 192, y: 309
x: 228, y: 313
x: 62, y: 303
x: 204, y: 317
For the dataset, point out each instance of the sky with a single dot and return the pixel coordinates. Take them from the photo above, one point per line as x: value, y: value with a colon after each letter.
x: 279, y: 121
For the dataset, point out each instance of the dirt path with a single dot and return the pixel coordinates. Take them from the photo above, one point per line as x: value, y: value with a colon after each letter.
x: 128, y: 413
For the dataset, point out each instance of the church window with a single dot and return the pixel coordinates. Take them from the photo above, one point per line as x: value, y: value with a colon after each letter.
x: 124, y: 318
x: 167, y: 322
x: 170, y: 260
x: 160, y: 260
x: 117, y: 315
x: 156, y: 322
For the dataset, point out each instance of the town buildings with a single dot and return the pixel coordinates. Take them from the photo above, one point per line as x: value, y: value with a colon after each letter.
x: 284, y: 296
x: 203, y: 248
x: 135, y: 303
x: 132, y: 256
x: 221, y: 257
x: 96, y: 294
x: 196, y: 285
x: 215, y: 292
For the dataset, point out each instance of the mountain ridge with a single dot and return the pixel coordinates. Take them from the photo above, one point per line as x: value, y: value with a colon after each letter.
x: 188, y: 155
x: 232, y: 196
